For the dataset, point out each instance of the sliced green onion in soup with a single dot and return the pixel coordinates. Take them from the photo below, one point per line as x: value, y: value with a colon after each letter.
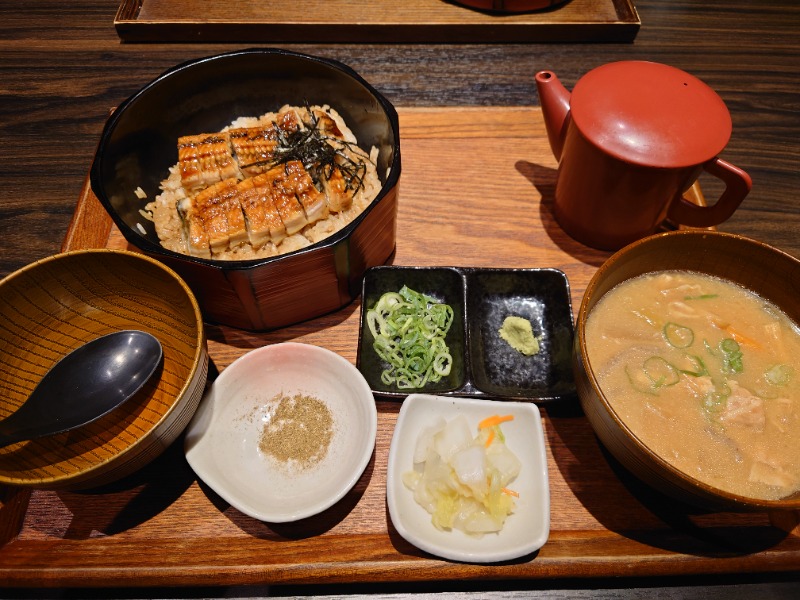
x: 695, y: 367
x: 654, y: 374
x: 779, y: 375
x: 639, y: 381
x: 660, y: 372
x: 731, y: 356
x: 714, y: 402
x: 678, y: 336
x: 701, y: 297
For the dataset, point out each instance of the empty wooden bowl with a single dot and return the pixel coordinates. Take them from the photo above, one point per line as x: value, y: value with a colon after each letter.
x: 771, y: 273
x: 52, y: 306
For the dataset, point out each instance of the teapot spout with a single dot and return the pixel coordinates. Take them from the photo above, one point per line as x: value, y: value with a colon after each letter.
x: 554, y: 98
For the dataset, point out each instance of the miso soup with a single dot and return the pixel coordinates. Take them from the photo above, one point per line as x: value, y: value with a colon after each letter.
x: 705, y: 373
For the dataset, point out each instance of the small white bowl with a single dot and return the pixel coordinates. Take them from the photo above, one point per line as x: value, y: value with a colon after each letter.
x: 525, y: 530
x: 222, y: 440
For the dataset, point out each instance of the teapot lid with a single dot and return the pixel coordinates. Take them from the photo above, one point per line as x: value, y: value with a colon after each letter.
x: 650, y: 114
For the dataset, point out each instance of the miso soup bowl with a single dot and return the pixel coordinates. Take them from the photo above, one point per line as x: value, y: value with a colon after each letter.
x: 763, y: 269
x: 139, y: 144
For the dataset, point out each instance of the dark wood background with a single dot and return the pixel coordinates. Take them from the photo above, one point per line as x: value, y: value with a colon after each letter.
x: 62, y: 68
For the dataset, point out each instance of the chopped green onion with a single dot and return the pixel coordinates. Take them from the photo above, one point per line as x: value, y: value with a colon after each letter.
x: 701, y: 297
x: 678, y: 336
x: 409, y: 330
x: 714, y: 402
x: 660, y: 372
x: 698, y: 368
x: 779, y: 374
x: 654, y: 374
x: 639, y: 381
x: 731, y: 356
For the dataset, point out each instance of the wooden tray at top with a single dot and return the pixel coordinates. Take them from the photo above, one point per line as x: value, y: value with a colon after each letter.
x: 475, y: 190
x: 376, y: 21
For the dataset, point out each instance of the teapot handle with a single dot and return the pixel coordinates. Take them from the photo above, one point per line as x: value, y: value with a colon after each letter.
x: 737, y: 186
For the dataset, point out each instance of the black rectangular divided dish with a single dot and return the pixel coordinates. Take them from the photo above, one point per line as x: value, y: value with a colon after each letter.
x: 484, y: 365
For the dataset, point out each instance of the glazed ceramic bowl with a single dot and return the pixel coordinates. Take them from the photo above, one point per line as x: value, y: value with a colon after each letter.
x: 238, y: 442
x: 139, y: 144
x: 772, y: 274
x: 54, y: 305
x: 511, y: 6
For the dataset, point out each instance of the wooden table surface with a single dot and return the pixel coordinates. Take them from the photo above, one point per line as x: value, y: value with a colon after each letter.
x: 63, y: 68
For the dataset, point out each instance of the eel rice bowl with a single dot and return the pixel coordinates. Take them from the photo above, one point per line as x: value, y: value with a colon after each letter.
x: 264, y: 186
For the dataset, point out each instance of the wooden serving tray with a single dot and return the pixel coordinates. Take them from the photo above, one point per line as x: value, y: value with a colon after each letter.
x: 475, y: 190
x: 377, y: 21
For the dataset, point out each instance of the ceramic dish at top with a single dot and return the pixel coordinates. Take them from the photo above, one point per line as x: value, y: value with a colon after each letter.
x: 510, y: 6
x: 525, y: 530
x: 483, y: 364
x: 287, y: 481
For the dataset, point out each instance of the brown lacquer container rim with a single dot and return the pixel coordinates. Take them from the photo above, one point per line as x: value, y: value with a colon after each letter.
x: 676, y: 480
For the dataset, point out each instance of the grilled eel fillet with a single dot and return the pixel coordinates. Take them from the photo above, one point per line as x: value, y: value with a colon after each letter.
x: 236, y: 194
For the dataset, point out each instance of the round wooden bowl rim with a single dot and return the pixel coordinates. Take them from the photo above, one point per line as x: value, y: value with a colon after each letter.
x: 200, y: 351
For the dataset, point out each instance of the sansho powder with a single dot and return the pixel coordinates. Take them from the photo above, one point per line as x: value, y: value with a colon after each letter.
x: 300, y: 431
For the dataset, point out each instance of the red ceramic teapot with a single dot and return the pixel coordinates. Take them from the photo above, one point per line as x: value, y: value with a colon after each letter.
x: 631, y: 139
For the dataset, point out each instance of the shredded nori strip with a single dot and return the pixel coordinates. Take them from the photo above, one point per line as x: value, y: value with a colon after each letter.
x: 320, y: 154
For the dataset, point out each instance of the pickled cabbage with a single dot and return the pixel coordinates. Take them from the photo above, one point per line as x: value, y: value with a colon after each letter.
x: 461, y: 478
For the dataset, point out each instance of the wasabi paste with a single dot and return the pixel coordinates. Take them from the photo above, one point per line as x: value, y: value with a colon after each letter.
x: 518, y: 332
